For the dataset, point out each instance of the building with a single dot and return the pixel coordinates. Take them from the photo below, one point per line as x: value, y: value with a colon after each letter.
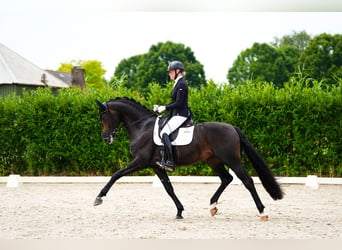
x: 17, y: 73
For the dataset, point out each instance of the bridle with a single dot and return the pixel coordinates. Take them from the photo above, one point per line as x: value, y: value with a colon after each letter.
x: 110, y: 134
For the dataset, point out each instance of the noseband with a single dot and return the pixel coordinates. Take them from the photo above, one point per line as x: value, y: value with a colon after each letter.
x: 107, y: 135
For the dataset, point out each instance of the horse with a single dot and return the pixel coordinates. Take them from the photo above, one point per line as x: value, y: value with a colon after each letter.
x: 218, y: 144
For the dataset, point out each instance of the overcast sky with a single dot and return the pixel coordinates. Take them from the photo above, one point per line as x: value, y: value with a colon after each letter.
x: 48, y: 33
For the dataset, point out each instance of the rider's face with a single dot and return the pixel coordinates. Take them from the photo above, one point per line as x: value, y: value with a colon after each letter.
x: 172, y: 74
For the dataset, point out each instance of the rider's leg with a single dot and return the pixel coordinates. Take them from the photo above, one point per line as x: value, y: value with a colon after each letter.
x: 171, y: 126
x: 167, y: 157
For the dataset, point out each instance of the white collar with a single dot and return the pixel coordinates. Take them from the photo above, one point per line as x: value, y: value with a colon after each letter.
x: 177, y: 79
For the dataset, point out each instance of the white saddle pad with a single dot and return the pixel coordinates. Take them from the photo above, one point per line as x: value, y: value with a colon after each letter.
x: 184, y: 136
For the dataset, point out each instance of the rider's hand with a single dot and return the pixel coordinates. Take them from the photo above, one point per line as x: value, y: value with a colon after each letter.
x: 159, y: 109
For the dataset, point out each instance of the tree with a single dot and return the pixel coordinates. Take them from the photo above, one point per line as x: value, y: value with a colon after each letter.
x: 93, y: 70
x: 67, y: 66
x: 274, y: 63
x: 322, y: 59
x: 94, y: 73
x: 292, y: 46
x: 261, y: 62
x: 300, y: 40
x: 141, y: 70
x: 291, y: 55
x: 128, y: 69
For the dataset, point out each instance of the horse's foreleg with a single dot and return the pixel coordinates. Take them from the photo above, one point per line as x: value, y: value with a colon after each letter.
x: 133, y: 166
x: 164, y: 178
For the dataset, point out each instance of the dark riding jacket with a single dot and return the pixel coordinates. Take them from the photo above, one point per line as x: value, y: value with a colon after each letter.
x: 179, y: 103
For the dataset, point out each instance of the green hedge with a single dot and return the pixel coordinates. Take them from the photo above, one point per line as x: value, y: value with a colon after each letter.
x: 297, y: 129
x: 44, y: 134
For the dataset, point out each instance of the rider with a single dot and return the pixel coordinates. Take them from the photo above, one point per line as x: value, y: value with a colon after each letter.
x: 179, y: 111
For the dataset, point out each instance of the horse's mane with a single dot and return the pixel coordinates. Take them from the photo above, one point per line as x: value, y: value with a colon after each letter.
x: 137, y: 105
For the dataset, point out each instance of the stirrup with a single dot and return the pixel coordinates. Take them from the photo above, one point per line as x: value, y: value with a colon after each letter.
x: 168, y: 165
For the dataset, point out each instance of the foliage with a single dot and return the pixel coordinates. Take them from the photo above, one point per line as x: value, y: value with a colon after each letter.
x: 261, y: 62
x: 322, y: 59
x: 318, y: 59
x: 275, y: 63
x: 297, y: 129
x: 141, y: 70
x: 43, y: 134
x: 67, y: 66
x: 299, y: 40
x: 129, y: 68
x: 94, y: 73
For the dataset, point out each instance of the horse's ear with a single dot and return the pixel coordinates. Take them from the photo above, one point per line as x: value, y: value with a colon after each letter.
x: 101, y: 105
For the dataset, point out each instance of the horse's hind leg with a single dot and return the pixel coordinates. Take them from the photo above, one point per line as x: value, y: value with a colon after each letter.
x: 226, y: 179
x: 242, y: 174
x: 164, y: 178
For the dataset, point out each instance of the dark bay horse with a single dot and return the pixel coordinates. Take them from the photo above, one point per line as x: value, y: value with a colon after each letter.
x: 218, y: 144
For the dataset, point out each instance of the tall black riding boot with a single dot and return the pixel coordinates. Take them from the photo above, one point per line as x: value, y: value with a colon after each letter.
x: 168, y: 163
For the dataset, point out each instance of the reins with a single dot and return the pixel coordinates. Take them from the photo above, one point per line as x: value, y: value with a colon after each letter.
x: 141, y: 119
x: 127, y: 125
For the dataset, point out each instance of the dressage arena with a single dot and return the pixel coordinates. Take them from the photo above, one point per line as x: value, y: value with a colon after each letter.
x: 145, y: 211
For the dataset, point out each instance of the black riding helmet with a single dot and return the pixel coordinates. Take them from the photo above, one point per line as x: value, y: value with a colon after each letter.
x: 175, y: 65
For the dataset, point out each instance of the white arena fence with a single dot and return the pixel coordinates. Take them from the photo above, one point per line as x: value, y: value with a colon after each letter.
x: 16, y: 180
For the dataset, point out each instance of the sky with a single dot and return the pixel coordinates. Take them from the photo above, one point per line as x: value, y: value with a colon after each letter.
x: 50, y: 32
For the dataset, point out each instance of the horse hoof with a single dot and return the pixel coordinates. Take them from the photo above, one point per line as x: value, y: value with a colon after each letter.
x: 179, y: 217
x: 263, y: 217
x: 98, y: 201
x: 213, y: 211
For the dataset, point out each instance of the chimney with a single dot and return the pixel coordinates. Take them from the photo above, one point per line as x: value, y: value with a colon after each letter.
x: 78, y: 77
x: 44, y: 79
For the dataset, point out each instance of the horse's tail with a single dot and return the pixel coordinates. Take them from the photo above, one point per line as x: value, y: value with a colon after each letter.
x: 260, y: 166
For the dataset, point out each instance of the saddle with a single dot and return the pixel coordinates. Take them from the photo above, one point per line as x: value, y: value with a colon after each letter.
x: 180, y: 137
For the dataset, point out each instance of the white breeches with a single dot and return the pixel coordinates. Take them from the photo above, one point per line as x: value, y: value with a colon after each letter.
x: 174, y: 123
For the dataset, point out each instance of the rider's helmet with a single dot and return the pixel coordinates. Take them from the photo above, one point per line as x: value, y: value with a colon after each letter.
x: 176, y: 65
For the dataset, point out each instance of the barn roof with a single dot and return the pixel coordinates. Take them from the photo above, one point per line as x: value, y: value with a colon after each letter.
x: 14, y: 69
x: 65, y: 77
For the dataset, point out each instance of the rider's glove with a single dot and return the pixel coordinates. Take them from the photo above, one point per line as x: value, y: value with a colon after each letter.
x: 159, y: 109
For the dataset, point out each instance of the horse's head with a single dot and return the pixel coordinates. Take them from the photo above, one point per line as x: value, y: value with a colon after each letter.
x: 110, y: 121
